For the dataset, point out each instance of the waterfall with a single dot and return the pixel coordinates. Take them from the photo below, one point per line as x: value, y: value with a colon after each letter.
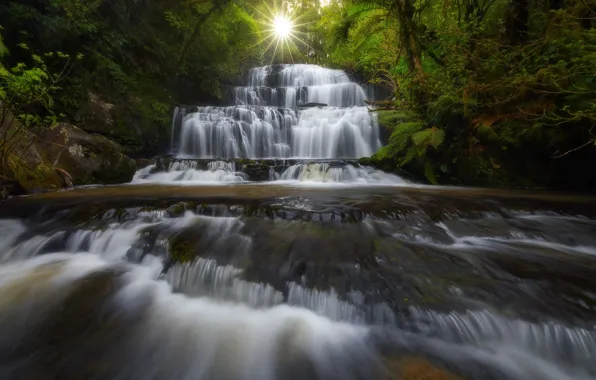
x: 188, y: 171
x: 327, y: 173
x: 270, y: 118
x: 307, y: 116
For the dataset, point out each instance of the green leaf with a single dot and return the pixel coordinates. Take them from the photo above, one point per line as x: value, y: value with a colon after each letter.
x: 429, y: 173
x: 422, y: 137
x: 409, y: 156
x: 437, y: 137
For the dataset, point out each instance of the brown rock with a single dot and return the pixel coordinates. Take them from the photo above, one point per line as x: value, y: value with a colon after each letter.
x: 86, y: 158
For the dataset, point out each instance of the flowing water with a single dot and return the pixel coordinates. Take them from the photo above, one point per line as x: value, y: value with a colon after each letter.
x: 276, y: 282
x: 264, y: 121
x: 219, y: 264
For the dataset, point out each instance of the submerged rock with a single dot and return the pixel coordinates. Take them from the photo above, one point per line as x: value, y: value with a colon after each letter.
x: 88, y: 158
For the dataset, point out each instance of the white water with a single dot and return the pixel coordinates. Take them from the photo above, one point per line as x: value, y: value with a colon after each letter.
x: 266, y: 132
x: 324, y: 173
x: 186, y: 172
x: 265, y: 123
x: 227, y: 327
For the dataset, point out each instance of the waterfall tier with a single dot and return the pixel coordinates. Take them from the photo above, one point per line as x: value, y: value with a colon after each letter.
x: 292, y: 171
x: 267, y: 132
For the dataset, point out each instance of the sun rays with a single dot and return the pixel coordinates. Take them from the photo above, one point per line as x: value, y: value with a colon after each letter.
x: 282, y: 31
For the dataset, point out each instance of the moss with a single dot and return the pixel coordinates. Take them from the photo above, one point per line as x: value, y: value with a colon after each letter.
x: 31, y: 177
x: 178, y: 209
x: 181, y: 250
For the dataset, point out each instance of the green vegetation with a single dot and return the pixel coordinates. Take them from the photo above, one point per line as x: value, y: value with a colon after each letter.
x: 138, y: 59
x: 496, y: 92
x: 485, y: 92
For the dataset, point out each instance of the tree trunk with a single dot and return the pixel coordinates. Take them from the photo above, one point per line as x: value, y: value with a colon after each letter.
x: 409, y: 36
x: 517, y: 22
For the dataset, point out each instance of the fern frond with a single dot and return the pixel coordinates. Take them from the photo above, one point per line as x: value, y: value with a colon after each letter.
x: 401, y: 136
x: 429, y: 173
x: 431, y: 136
x: 437, y: 138
x: 422, y: 137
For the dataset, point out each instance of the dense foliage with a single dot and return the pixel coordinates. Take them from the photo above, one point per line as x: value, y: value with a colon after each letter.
x: 138, y: 58
x: 499, y: 92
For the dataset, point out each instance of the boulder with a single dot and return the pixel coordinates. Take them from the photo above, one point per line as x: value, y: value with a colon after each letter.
x: 87, y: 158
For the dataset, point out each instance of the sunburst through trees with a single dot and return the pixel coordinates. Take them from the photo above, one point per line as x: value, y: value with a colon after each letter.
x: 282, y: 27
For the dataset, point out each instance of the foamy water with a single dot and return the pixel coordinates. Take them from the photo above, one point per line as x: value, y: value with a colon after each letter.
x: 207, y: 319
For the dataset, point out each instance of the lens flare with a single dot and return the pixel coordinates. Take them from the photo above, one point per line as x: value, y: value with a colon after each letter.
x: 283, y: 31
x: 282, y: 27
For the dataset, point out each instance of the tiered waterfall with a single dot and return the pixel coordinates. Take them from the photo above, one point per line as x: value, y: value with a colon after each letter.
x: 284, y: 111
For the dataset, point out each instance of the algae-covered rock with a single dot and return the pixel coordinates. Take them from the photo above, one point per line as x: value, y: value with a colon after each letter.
x: 88, y: 158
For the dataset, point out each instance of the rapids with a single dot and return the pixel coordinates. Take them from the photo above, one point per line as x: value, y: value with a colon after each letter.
x: 272, y: 282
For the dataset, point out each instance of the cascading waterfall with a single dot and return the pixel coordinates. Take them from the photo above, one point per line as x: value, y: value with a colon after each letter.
x: 266, y: 123
x: 188, y: 171
x: 304, y: 115
x: 327, y: 173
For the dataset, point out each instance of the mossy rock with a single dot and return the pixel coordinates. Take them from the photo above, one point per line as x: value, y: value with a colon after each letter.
x: 181, y: 249
x: 89, y: 159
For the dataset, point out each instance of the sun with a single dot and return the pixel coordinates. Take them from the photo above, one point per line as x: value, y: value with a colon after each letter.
x: 282, y: 27
x: 283, y: 30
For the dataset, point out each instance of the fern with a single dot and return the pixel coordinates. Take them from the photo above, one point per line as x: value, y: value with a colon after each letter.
x: 429, y: 173
x: 431, y: 136
x: 437, y: 138
x: 422, y: 137
x: 400, y: 138
x: 409, y: 156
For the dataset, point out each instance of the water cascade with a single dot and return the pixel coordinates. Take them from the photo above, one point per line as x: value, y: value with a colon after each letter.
x: 310, y: 118
x: 320, y: 285
x: 266, y: 120
x: 189, y: 171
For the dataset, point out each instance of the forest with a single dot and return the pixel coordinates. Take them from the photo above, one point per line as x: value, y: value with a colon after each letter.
x: 483, y: 92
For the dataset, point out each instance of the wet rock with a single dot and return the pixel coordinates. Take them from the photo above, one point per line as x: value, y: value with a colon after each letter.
x: 178, y: 209
x: 311, y: 105
x: 144, y: 162
x: 88, y: 158
x: 181, y: 249
x: 256, y: 172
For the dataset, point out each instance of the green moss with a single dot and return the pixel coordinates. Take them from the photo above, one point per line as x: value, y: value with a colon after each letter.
x: 39, y: 176
x: 178, y: 209
x: 181, y: 250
